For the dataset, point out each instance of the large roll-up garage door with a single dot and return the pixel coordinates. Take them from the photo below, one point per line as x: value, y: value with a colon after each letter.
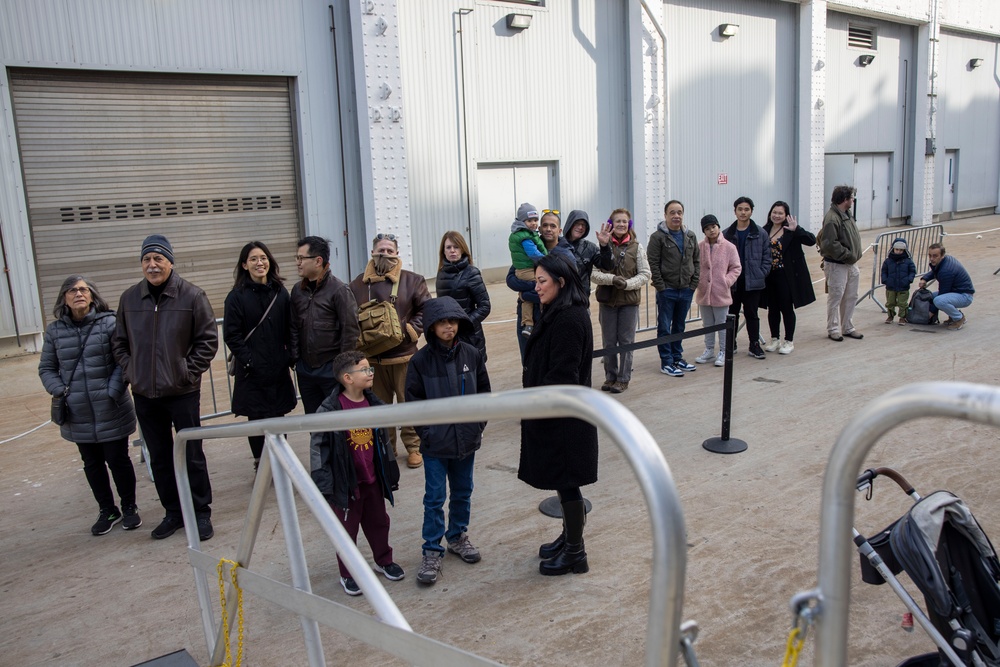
x: 109, y: 158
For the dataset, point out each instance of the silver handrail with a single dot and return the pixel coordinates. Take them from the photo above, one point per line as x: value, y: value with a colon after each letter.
x: 959, y: 400
x: 669, y: 558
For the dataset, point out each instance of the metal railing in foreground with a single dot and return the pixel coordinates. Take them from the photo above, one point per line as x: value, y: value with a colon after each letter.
x: 830, y: 601
x: 389, y: 631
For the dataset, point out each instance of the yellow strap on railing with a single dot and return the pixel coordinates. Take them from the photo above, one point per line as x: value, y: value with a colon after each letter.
x: 793, y: 648
x: 225, y: 615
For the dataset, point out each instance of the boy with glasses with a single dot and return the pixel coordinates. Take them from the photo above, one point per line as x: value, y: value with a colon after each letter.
x: 355, y: 470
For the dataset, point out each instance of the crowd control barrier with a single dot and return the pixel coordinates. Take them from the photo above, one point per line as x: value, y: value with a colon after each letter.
x: 917, y: 240
x: 389, y: 631
x: 827, y: 605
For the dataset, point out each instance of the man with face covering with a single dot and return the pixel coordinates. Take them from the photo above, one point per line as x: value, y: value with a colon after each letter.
x: 383, y: 271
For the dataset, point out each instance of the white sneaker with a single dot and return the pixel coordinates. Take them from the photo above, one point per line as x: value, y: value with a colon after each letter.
x: 773, y: 345
x: 706, y: 356
x: 721, y: 359
x: 786, y: 347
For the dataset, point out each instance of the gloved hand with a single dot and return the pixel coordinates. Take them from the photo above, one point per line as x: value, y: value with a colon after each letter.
x: 619, y: 282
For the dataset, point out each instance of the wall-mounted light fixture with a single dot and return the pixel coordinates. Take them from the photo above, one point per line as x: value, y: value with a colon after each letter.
x: 728, y: 30
x: 975, y: 62
x: 518, y: 21
x: 866, y: 60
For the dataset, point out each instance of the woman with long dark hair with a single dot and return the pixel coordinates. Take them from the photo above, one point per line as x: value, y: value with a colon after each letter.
x: 788, y: 286
x: 560, y: 454
x: 460, y: 280
x: 257, y: 332
x: 77, y: 363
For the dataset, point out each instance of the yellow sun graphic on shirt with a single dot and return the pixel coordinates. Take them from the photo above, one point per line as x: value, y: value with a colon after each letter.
x: 361, y: 438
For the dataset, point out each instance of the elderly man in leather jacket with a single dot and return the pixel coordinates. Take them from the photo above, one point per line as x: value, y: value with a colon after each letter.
x: 383, y: 270
x: 165, y: 339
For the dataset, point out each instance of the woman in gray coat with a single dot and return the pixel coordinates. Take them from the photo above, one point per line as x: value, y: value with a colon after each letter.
x: 77, y: 362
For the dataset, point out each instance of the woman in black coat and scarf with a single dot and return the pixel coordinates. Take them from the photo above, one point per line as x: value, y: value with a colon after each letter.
x: 256, y: 330
x: 788, y: 286
x: 460, y: 280
x: 560, y: 454
x: 77, y: 363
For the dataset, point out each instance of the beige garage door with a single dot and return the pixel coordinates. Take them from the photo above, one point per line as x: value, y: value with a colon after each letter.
x: 109, y: 158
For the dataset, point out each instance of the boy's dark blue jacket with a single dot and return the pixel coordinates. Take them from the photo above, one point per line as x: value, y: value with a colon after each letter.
x: 436, y: 371
x: 898, y: 271
x: 333, y: 466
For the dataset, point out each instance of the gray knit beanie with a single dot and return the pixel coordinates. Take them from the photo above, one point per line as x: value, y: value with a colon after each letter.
x: 157, y: 243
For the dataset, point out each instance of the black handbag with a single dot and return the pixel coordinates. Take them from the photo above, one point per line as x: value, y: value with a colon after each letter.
x: 60, y: 410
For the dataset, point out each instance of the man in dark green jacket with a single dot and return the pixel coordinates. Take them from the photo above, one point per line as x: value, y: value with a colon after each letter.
x: 840, y: 246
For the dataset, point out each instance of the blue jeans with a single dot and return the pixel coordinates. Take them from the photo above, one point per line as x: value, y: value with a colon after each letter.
x: 457, y: 473
x: 672, y: 306
x: 950, y: 303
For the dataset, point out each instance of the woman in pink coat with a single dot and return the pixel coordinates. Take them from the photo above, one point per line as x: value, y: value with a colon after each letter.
x: 720, y: 267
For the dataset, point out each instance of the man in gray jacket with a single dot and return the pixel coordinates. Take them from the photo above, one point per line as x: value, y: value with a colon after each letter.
x: 675, y: 262
x: 165, y: 339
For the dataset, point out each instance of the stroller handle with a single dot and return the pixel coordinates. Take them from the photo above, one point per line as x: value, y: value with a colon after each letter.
x: 868, y: 476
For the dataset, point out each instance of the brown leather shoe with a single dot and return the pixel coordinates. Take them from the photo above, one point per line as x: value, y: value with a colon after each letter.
x: 608, y: 385
x: 619, y: 387
x: 414, y: 460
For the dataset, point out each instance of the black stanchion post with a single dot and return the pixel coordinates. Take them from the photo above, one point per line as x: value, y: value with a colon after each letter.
x: 725, y: 444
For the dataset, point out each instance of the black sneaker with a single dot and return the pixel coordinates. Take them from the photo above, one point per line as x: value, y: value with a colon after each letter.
x: 130, y: 517
x: 205, y: 531
x: 391, y: 571
x: 167, y: 527
x: 106, y: 520
x: 756, y: 352
x: 350, y: 587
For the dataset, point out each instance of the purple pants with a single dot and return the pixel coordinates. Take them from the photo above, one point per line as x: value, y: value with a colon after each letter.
x: 368, y: 512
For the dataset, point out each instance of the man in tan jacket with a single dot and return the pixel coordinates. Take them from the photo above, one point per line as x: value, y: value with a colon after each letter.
x: 383, y: 270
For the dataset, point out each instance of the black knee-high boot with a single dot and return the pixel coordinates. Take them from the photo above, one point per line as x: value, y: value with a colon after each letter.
x: 552, y: 549
x: 573, y: 557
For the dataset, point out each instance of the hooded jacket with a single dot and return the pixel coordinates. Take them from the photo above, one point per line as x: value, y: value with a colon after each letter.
x: 333, y: 466
x: 410, y: 300
x: 670, y: 267
x: 100, y: 410
x: 588, y: 255
x: 756, y: 255
x: 441, y: 371
x: 898, y: 271
x: 164, y: 346
x: 519, y: 233
x: 463, y: 282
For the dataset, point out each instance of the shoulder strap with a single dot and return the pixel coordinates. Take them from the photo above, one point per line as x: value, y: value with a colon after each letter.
x: 262, y: 317
x: 395, y: 289
x: 82, y: 350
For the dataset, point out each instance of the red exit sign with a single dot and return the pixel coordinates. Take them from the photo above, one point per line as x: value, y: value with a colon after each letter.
x: 723, y: 179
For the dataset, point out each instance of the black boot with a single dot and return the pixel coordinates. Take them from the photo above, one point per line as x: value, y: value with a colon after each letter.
x: 573, y: 557
x: 552, y: 549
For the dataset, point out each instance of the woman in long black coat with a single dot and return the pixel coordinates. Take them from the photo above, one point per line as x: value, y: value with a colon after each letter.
x: 259, y: 303
x: 560, y: 454
x: 460, y: 280
x: 788, y: 286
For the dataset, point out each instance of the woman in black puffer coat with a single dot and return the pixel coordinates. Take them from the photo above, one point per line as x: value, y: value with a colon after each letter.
x: 460, y: 280
x: 263, y: 386
x: 561, y: 453
x: 77, y: 362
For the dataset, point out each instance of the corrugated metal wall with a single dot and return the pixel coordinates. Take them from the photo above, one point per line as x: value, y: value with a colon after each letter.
x: 554, y: 92
x: 969, y: 119
x: 732, y: 105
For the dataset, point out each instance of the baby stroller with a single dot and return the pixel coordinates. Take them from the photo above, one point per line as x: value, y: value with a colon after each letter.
x: 951, y: 561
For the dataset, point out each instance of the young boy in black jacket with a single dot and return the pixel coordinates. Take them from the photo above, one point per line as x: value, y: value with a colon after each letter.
x: 446, y: 367
x: 355, y: 470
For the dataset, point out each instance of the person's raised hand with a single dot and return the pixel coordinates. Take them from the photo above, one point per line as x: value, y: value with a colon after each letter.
x: 604, y: 233
x: 791, y: 223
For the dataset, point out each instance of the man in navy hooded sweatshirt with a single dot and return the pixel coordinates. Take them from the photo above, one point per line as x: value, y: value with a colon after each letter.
x: 955, y: 288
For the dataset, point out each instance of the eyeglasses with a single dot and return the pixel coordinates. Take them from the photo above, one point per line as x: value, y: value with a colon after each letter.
x: 78, y: 290
x: 301, y: 258
x: 258, y: 260
x: 367, y: 370
x: 385, y: 237
x: 550, y: 210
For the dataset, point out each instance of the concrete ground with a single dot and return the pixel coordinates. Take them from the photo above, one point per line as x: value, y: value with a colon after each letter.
x: 752, y: 519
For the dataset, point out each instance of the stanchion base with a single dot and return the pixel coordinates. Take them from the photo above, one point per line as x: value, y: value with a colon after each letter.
x: 720, y: 446
x: 552, y: 507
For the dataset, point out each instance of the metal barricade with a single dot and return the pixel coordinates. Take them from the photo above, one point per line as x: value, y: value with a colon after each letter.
x: 390, y: 631
x: 830, y: 601
x: 917, y: 240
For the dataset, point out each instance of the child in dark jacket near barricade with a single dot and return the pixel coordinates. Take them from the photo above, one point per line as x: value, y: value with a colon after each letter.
x: 443, y: 368
x: 355, y: 469
x: 898, y: 272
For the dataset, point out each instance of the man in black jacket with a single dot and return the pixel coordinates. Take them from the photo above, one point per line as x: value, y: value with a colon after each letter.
x: 587, y: 254
x: 165, y: 339
x: 324, y: 322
